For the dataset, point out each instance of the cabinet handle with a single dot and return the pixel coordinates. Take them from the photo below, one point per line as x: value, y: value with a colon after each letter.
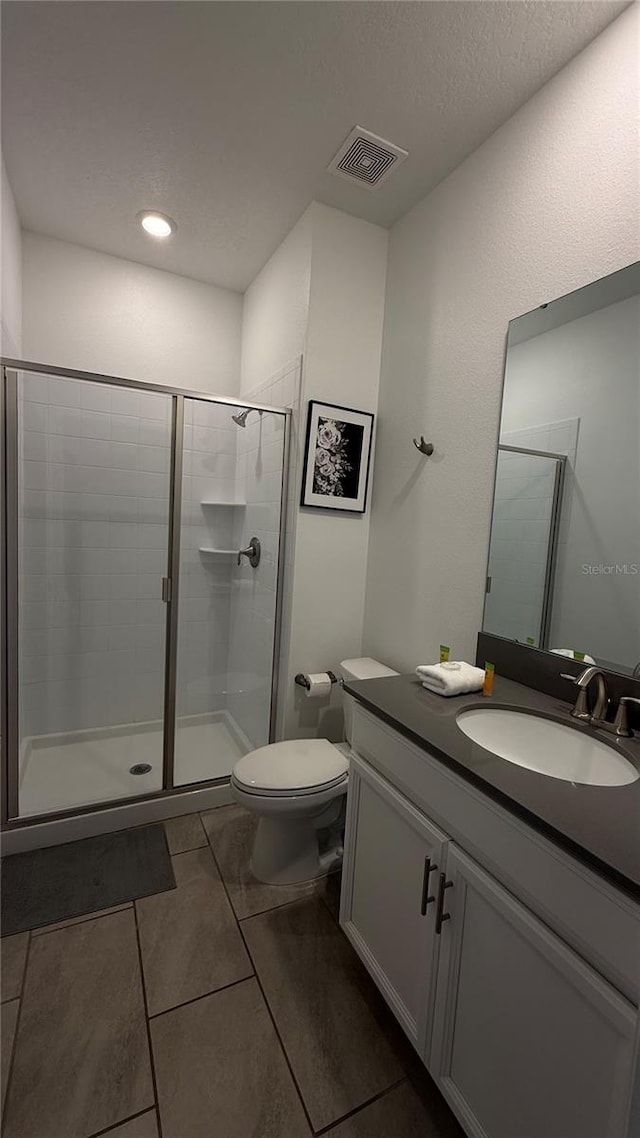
x: 441, y: 916
x: 426, y: 899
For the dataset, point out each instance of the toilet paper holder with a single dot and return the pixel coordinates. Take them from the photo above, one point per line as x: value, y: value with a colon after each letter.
x: 303, y: 681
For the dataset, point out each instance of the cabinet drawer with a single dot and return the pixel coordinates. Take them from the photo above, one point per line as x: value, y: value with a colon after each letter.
x: 588, y: 913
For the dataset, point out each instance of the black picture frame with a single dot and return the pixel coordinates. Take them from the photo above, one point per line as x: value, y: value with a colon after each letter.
x: 337, y: 458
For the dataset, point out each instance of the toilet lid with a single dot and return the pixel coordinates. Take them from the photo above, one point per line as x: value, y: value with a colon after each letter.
x: 296, y: 764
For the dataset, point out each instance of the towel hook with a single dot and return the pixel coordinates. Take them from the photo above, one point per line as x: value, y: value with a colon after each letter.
x: 422, y: 446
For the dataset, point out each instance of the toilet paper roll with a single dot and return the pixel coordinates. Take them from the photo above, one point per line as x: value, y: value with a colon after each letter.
x: 319, y: 685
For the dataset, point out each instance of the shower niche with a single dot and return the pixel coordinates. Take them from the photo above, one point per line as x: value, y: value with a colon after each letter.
x: 138, y: 655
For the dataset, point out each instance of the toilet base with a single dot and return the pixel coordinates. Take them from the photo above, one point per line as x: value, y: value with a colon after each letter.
x: 288, y: 855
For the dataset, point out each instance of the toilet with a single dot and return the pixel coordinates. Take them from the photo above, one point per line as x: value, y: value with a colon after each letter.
x: 297, y: 788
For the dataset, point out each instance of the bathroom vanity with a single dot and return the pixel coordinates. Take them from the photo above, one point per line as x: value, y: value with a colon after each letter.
x: 498, y: 911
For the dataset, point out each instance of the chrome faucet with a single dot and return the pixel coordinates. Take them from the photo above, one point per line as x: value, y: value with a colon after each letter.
x: 598, y: 717
x: 581, y: 707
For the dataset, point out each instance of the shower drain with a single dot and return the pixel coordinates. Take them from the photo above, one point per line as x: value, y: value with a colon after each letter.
x: 140, y: 768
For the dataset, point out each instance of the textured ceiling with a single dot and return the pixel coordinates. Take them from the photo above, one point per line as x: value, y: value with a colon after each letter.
x: 225, y: 115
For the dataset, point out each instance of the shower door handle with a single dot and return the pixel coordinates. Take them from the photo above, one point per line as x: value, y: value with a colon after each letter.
x: 166, y: 590
x: 252, y: 553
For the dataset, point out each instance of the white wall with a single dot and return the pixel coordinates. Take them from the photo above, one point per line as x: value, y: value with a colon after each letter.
x: 342, y: 365
x: 547, y: 204
x: 322, y: 295
x: 10, y: 273
x: 276, y: 308
x: 93, y: 312
x: 590, y: 369
x: 274, y: 334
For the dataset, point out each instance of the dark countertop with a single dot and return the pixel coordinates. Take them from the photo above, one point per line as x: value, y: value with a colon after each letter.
x: 598, y: 824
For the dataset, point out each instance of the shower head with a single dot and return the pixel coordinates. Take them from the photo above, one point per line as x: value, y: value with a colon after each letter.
x: 241, y: 417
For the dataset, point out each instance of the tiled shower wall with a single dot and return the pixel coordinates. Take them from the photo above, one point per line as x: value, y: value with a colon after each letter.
x: 253, y: 595
x: 93, y: 512
x: 209, y: 491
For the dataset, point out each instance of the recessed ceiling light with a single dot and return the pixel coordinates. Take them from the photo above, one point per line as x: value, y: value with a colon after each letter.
x: 157, y: 224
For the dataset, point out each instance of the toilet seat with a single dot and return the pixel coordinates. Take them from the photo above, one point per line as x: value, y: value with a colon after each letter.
x: 307, y: 792
x: 294, y: 767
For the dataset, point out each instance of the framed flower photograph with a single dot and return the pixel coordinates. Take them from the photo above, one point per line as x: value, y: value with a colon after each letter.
x: 337, y: 458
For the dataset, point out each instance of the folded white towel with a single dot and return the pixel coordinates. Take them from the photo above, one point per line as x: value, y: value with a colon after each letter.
x: 451, y: 678
x: 571, y: 655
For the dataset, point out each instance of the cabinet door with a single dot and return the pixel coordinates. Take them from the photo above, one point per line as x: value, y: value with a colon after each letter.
x: 528, y: 1041
x: 391, y: 862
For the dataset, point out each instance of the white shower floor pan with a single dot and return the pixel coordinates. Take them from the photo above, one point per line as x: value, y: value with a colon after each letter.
x: 81, y: 768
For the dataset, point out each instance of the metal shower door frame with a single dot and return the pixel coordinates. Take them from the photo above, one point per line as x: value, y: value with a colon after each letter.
x: 9, y: 573
x: 171, y: 592
x: 9, y: 607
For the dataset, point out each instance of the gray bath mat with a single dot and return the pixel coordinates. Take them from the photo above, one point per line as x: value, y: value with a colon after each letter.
x: 44, y: 886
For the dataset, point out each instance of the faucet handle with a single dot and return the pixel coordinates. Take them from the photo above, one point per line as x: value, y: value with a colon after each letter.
x: 580, y: 710
x: 621, y: 722
x: 252, y: 553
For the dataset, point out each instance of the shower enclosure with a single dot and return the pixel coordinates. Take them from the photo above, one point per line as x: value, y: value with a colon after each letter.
x: 140, y: 626
x: 524, y: 544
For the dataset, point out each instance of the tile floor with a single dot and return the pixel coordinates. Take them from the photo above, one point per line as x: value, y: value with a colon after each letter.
x: 221, y: 1009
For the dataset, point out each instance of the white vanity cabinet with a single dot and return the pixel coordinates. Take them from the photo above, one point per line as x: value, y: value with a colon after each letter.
x: 388, y: 896
x: 525, y: 1037
x: 528, y: 1040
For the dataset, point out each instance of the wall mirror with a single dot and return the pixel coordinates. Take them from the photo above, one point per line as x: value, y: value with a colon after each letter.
x: 564, y: 557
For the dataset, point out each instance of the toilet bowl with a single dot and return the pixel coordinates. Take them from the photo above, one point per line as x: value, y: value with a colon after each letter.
x: 297, y: 788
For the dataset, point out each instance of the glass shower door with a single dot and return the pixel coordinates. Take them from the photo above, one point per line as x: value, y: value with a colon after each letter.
x: 93, y: 504
x: 524, y: 530
x: 232, y: 491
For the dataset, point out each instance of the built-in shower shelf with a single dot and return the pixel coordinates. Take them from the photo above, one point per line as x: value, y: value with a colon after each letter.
x: 216, y: 502
x: 224, y: 552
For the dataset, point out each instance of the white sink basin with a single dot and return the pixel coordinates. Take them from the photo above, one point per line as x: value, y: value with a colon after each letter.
x: 547, y: 747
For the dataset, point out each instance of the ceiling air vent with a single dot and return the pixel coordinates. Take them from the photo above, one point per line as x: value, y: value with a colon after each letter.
x: 366, y: 159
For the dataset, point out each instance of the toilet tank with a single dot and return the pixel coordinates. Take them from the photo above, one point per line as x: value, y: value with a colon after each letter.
x: 363, y: 668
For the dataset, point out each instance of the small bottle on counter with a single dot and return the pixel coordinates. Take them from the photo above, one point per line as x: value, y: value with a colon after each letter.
x: 489, y: 675
x: 444, y: 653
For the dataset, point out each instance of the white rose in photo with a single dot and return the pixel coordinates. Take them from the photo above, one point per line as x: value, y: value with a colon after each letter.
x: 323, y: 459
x: 329, y: 435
